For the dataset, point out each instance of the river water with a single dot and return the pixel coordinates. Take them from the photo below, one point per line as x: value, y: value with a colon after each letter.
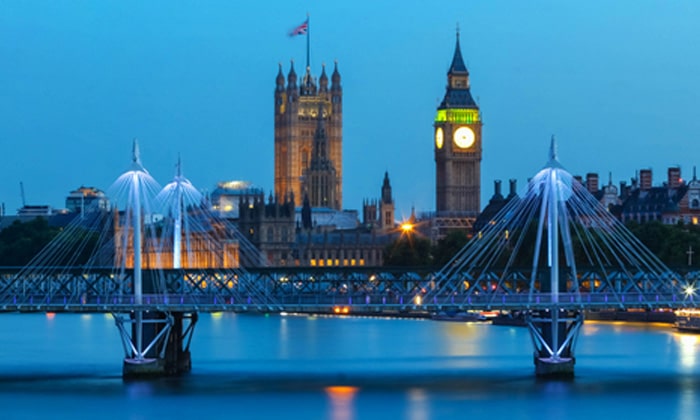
x: 313, y: 367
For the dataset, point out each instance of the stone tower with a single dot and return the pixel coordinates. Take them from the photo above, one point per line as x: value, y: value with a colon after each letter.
x: 320, y: 181
x: 458, y: 146
x: 386, y: 205
x: 297, y: 107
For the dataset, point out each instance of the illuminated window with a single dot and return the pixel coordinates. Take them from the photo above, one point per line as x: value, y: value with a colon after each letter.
x: 320, y: 263
x: 352, y: 261
x: 695, y: 220
x: 313, y: 263
x: 336, y: 262
x: 362, y: 261
x: 345, y: 261
x: 329, y: 262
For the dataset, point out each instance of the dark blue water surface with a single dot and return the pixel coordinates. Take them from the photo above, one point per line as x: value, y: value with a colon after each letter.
x: 301, y: 367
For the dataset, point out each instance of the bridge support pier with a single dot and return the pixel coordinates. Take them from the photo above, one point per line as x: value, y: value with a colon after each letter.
x: 167, y: 338
x: 554, y: 333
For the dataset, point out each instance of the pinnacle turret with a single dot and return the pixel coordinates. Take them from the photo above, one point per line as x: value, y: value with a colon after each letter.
x: 457, y: 60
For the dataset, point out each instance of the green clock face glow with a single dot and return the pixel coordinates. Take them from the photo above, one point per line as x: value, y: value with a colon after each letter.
x: 464, y: 137
x: 439, y: 138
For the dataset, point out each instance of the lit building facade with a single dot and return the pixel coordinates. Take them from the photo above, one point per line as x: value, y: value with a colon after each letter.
x: 458, y: 149
x: 298, y: 109
x: 87, y: 198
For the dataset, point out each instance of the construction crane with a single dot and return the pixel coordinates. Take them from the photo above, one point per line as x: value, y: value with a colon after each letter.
x: 21, y: 190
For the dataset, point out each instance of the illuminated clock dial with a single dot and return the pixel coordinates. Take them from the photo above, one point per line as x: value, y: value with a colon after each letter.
x: 439, y: 138
x: 464, y: 137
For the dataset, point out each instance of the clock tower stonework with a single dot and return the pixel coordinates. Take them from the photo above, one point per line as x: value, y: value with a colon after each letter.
x: 458, y: 148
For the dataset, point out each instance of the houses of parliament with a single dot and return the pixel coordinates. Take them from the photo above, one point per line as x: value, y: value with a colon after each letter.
x: 304, y: 223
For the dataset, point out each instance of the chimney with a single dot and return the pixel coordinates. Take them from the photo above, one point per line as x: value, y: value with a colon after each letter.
x: 513, y: 188
x: 497, y: 188
x: 624, y: 190
x: 674, y: 177
x: 592, y: 182
x: 645, y: 179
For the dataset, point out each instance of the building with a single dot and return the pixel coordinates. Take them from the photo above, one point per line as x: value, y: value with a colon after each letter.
x: 458, y: 149
x: 317, y: 236
x: 298, y: 109
x: 643, y: 202
x: 227, y: 196
x: 320, y: 182
x: 380, y: 214
x: 496, y: 203
x: 86, y: 199
x: 210, y: 244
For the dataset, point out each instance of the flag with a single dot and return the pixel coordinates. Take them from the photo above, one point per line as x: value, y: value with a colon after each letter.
x: 301, y: 29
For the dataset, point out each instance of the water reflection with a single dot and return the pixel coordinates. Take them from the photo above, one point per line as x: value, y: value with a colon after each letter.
x: 342, y: 405
x: 687, y: 346
x: 418, y: 404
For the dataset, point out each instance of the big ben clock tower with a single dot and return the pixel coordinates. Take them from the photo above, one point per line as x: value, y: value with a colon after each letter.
x: 457, y: 137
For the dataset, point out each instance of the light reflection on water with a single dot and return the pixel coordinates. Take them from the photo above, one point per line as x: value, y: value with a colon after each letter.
x: 347, y: 368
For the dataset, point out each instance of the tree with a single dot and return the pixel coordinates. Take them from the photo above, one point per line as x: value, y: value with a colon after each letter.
x: 409, y: 250
x: 20, y: 242
x: 447, y: 247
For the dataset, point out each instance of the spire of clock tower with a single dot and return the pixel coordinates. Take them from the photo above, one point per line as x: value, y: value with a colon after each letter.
x: 458, y: 94
x: 457, y: 60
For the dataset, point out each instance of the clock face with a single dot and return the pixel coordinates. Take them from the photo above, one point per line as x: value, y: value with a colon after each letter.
x: 464, y: 137
x: 439, y: 138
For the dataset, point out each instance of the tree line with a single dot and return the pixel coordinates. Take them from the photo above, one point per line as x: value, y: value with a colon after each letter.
x: 677, y: 246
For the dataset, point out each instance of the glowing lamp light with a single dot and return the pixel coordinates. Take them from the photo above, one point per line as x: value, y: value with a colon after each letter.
x: 406, y: 227
x: 418, y: 300
x: 689, y: 290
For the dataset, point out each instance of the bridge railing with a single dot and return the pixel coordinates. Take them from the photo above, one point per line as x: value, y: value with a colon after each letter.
x: 356, y: 302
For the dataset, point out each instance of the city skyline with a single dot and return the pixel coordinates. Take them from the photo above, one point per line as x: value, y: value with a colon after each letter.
x: 614, y: 82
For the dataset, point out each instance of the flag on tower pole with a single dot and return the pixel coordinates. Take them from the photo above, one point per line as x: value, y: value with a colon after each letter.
x: 301, y: 29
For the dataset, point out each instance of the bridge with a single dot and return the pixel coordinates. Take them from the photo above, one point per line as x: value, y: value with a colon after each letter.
x: 551, y: 254
x: 380, y: 290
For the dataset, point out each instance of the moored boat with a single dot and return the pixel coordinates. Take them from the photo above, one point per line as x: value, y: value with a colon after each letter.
x: 458, y: 316
x: 688, y: 320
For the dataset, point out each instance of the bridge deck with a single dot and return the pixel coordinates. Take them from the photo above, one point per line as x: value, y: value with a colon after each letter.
x: 360, y: 303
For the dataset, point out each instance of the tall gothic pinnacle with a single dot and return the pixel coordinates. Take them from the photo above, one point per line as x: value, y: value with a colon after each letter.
x: 457, y: 60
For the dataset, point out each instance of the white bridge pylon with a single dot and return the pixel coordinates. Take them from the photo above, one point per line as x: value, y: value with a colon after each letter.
x: 139, y: 190
x: 551, y: 231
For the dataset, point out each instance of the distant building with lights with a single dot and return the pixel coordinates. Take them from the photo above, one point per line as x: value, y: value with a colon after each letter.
x: 674, y: 201
x: 86, y: 199
x: 309, y: 236
x: 227, y: 196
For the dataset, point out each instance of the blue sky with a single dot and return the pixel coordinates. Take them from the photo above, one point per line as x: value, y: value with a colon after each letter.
x: 616, y: 82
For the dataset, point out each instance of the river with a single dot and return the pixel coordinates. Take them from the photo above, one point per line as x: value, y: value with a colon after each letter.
x: 314, y: 367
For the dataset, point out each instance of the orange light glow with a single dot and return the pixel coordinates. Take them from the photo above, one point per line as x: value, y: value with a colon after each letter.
x: 50, y: 315
x: 341, y: 390
x: 406, y: 227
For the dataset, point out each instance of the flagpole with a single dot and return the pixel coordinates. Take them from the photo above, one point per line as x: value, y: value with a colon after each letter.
x: 308, y: 36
